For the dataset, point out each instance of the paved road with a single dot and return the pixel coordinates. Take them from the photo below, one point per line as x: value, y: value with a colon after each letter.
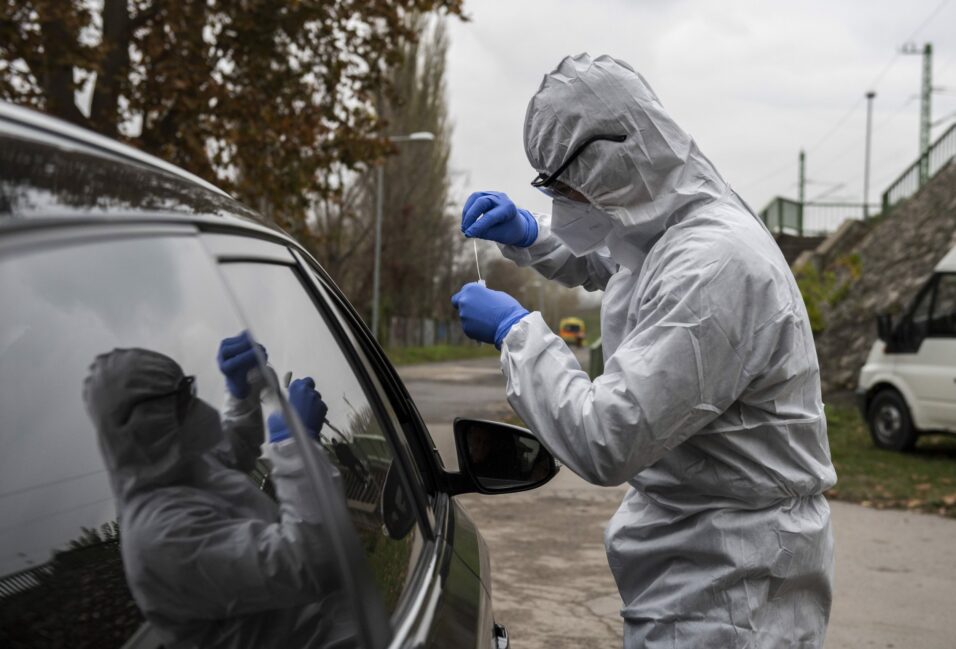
x: 895, y: 574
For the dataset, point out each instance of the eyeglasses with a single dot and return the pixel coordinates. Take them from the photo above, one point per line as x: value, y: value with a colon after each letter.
x: 550, y: 185
x: 184, y: 392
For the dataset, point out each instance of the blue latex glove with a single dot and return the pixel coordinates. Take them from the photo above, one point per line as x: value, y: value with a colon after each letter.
x: 486, y: 315
x: 308, y: 405
x: 502, y: 221
x: 236, y: 357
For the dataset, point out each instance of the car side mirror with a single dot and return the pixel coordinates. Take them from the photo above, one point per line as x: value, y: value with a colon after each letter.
x: 884, y: 327
x: 496, y: 458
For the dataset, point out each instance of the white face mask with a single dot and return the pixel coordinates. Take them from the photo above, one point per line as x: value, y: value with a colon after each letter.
x: 580, y: 226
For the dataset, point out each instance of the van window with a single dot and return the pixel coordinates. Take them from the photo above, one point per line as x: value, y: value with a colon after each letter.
x: 152, y: 522
x: 943, y: 320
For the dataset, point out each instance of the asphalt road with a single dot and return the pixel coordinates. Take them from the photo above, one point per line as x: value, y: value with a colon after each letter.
x: 895, y: 571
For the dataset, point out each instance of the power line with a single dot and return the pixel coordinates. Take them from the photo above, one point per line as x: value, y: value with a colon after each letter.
x: 837, y: 126
x: 932, y: 15
x: 880, y: 76
x: 856, y: 143
x: 856, y: 105
x: 776, y: 172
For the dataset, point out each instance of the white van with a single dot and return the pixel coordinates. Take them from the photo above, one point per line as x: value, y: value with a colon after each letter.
x: 908, y: 384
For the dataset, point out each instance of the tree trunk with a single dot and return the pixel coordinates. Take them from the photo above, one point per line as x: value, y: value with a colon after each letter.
x: 56, y: 78
x: 114, y: 67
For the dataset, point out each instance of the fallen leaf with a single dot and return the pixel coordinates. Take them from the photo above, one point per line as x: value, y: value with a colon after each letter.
x: 923, y: 486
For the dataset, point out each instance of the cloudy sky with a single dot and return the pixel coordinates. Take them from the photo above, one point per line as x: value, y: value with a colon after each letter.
x: 753, y: 82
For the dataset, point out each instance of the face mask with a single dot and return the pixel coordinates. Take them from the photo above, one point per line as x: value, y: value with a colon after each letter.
x: 580, y: 226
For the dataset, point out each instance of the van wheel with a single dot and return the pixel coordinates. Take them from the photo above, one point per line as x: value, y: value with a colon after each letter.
x: 890, y: 424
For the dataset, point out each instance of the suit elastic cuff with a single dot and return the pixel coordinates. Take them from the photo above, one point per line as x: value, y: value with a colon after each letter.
x: 505, y: 326
x: 532, y: 229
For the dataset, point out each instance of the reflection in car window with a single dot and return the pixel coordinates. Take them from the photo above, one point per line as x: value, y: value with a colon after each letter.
x: 280, y: 310
x: 126, y: 490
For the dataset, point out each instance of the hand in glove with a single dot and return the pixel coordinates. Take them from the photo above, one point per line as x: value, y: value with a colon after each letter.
x: 238, y: 363
x: 308, y: 405
x: 486, y: 315
x: 500, y: 220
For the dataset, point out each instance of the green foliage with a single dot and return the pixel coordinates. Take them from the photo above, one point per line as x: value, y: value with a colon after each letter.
x: 438, y: 353
x: 265, y: 98
x: 827, y: 289
x: 814, y: 287
x: 924, y: 480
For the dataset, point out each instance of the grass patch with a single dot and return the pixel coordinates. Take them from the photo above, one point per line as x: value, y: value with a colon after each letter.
x: 437, y: 353
x: 924, y: 480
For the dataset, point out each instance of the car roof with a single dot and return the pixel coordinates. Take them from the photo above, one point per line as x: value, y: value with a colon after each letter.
x: 948, y: 263
x: 52, y: 170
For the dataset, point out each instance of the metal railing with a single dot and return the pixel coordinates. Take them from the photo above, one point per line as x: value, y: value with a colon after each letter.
x: 786, y: 216
x: 940, y: 153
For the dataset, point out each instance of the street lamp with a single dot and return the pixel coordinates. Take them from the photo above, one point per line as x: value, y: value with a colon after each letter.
x: 419, y: 136
x: 866, y: 156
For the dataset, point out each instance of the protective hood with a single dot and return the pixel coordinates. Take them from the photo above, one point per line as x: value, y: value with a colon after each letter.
x: 646, y: 183
x: 148, y: 432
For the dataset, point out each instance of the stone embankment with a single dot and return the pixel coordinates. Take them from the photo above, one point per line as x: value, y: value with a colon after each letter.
x: 867, y: 269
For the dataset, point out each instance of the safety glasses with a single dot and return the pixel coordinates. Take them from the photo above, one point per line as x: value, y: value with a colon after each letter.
x: 551, y: 186
x: 185, y: 392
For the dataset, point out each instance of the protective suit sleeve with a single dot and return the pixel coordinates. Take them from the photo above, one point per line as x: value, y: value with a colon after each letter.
x: 233, y: 566
x: 686, y: 361
x: 554, y: 260
x: 244, y: 431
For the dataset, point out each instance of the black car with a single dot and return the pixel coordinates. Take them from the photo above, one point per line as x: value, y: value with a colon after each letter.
x: 103, y: 247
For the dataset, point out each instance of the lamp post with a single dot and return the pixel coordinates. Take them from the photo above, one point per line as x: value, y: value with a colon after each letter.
x: 866, y: 156
x: 420, y: 136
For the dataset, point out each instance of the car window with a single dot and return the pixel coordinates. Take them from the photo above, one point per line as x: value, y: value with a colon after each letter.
x: 943, y: 320
x: 916, y: 325
x: 131, y: 486
x: 419, y: 465
x: 300, y: 343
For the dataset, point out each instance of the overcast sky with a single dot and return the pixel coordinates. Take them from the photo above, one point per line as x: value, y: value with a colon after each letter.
x: 752, y: 82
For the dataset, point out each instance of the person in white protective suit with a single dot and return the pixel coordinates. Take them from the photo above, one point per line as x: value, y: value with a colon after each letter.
x: 210, y: 559
x: 709, y: 405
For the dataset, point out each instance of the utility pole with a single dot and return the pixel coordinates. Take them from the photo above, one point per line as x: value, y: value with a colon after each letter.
x: 866, y: 156
x: 925, y: 105
x: 801, y: 188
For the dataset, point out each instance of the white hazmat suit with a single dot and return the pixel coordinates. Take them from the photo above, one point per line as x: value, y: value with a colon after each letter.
x: 709, y: 405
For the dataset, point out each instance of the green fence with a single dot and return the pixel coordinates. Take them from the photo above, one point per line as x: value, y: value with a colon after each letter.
x: 785, y: 216
x: 940, y: 153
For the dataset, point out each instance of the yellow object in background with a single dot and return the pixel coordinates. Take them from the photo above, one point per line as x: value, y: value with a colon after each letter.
x: 572, y: 331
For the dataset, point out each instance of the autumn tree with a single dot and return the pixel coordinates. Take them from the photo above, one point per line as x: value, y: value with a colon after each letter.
x: 422, y: 264
x: 269, y: 100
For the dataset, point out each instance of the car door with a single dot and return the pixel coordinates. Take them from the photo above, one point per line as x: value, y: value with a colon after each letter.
x: 131, y: 532
x: 936, y: 358
x: 923, y: 354
x: 431, y: 594
x: 459, y: 613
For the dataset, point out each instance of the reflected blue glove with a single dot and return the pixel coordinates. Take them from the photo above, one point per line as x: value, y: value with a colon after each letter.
x: 502, y: 221
x: 308, y: 405
x: 486, y: 315
x: 236, y: 358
